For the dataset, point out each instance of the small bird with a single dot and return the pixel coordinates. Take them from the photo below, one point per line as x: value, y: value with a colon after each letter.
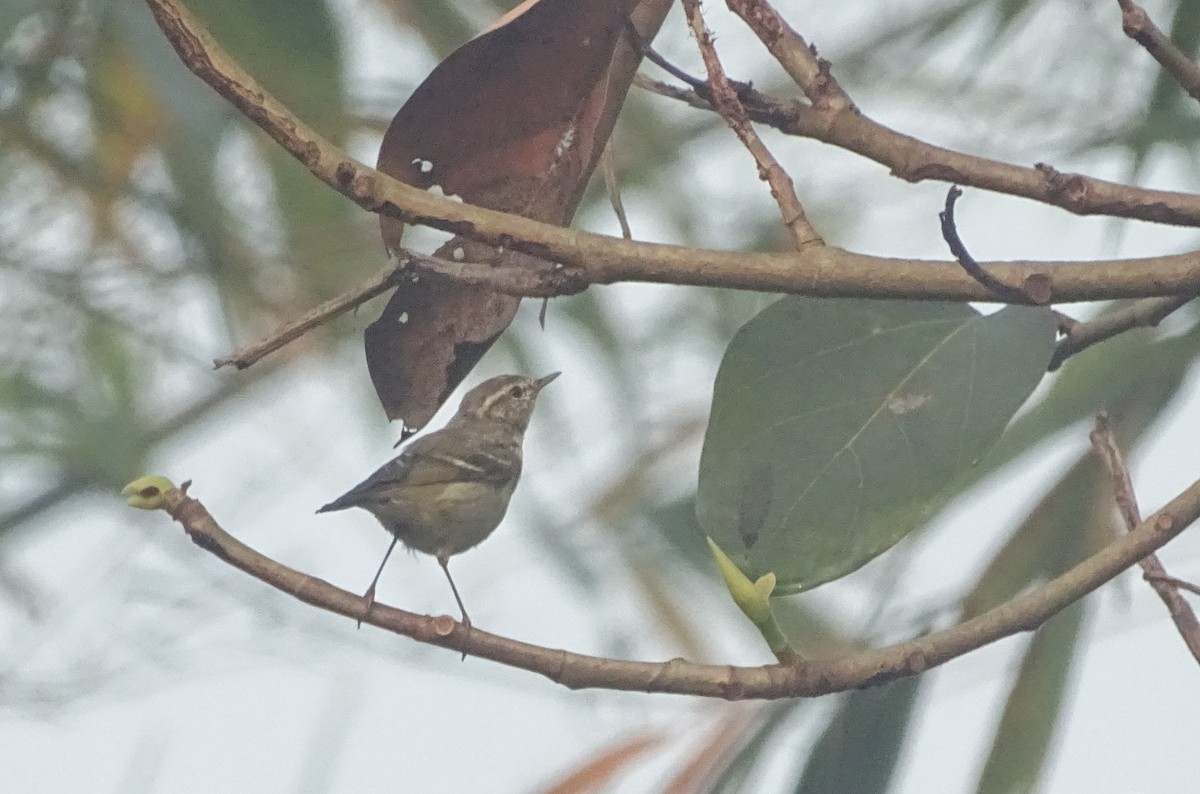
x: 449, y: 490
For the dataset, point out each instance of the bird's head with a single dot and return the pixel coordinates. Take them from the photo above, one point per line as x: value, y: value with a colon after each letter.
x: 504, y: 399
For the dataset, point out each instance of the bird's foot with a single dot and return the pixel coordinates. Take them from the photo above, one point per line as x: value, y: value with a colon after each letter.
x: 368, y: 601
x: 466, y: 624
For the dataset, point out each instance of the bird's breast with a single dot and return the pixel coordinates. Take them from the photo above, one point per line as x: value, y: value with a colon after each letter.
x: 447, y: 517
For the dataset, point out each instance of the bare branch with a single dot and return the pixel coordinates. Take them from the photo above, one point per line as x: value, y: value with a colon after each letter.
x: 1139, y: 27
x: 597, y: 259
x: 794, y: 54
x: 1105, y: 444
x: 801, y: 679
x: 730, y: 108
x: 1174, y: 582
x: 524, y: 282
x: 649, y: 53
x: 1145, y: 313
x: 915, y: 160
x: 377, y: 284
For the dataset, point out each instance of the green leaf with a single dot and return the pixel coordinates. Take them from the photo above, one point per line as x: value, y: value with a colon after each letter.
x: 859, y: 748
x: 837, y: 425
x: 1026, y: 730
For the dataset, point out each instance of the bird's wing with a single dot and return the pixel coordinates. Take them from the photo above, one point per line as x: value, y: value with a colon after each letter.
x: 429, y: 461
x: 455, y: 457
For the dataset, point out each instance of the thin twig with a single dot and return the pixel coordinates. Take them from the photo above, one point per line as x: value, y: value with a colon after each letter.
x: 1139, y: 27
x: 531, y: 279
x: 522, y: 282
x: 613, y: 187
x: 1173, y: 581
x: 700, y: 95
x: 1105, y: 443
x: 998, y: 289
x: 806, y: 678
x: 648, y: 52
x: 730, y: 107
x: 1064, y: 323
x: 1144, y: 313
x: 376, y: 285
x: 794, y: 54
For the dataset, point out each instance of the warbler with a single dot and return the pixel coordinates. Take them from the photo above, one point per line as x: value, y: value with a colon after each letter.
x: 449, y: 490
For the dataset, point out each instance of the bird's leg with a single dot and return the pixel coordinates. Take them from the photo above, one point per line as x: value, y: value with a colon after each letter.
x: 444, y: 561
x: 369, y: 596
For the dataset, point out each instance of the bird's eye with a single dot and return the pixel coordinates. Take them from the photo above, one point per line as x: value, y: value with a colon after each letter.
x: 517, y: 391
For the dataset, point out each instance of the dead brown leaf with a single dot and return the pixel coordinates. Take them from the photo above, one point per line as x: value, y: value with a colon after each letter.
x: 510, y: 121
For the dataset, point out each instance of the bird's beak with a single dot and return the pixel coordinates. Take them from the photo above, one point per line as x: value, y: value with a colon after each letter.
x: 542, y: 383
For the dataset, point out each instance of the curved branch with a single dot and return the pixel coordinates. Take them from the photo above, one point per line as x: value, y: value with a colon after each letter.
x: 597, y: 259
x: 678, y: 676
x: 958, y: 248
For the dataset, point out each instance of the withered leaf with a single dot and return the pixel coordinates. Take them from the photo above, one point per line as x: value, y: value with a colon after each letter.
x: 509, y: 121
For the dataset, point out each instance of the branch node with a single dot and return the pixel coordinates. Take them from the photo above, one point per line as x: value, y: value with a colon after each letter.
x: 1038, y: 287
x: 1069, y: 191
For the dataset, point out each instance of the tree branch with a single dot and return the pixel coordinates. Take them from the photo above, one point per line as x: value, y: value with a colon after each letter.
x: 1139, y: 27
x: 1145, y: 313
x: 523, y: 282
x: 678, y: 676
x: 1105, y: 444
x: 247, y: 355
x: 794, y: 54
x: 730, y: 108
x: 597, y: 259
x: 914, y: 160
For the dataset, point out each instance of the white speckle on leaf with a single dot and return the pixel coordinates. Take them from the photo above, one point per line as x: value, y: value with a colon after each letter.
x: 403, y: 318
x: 438, y: 191
x: 900, y: 404
x: 457, y: 254
x: 565, y: 142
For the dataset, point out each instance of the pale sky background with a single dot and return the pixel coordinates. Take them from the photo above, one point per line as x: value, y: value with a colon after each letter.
x: 253, y: 703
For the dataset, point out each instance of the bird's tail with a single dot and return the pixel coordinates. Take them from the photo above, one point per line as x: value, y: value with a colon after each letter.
x: 341, y: 503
